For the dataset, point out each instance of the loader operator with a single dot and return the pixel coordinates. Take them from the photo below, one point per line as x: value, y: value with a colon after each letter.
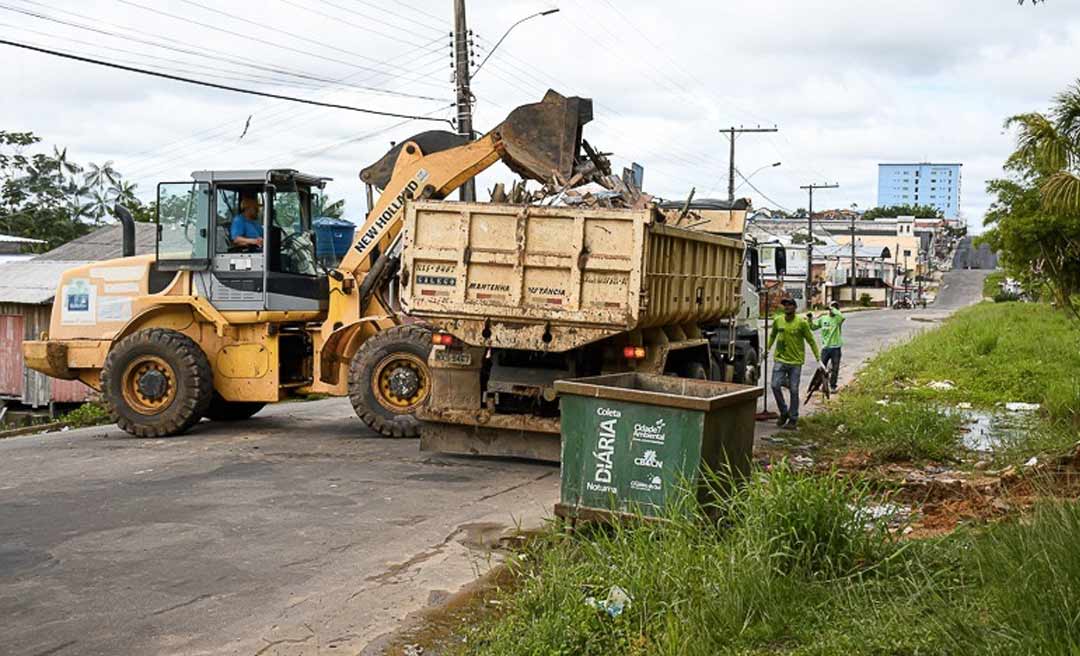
x: 789, y: 332
x: 246, y: 231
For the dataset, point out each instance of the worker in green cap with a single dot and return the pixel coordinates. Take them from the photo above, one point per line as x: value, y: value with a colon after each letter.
x: 790, y: 333
x: 831, y: 327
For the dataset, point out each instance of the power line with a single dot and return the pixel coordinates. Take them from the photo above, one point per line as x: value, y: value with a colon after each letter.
x: 213, y: 85
x: 246, y: 36
x: 671, y: 152
x: 421, y: 11
x: 318, y: 150
x: 299, y: 37
x: 212, y: 73
x: 407, y: 19
x: 701, y: 85
x: 751, y: 185
x: 283, y: 110
x: 223, y: 56
x: 171, y: 64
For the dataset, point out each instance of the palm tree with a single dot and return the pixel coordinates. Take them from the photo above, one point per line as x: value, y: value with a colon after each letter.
x: 1048, y: 148
x: 101, y: 176
x: 123, y: 192
x: 328, y: 208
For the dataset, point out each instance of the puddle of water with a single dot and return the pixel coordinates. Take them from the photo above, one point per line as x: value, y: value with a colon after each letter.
x: 986, y: 431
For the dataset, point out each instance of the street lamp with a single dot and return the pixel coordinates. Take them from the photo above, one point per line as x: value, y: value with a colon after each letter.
x: 746, y: 178
x: 547, y: 12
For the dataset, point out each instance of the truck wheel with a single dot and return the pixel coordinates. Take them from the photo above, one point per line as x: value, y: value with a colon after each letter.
x: 389, y: 380
x: 157, y: 382
x: 747, y: 367
x: 748, y: 371
x: 222, y: 410
x: 693, y: 369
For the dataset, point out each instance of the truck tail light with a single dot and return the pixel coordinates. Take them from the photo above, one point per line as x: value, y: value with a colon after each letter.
x: 442, y: 339
x: 634, y: 352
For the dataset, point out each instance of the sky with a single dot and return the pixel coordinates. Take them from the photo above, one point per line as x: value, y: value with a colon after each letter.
x: 848, y: 83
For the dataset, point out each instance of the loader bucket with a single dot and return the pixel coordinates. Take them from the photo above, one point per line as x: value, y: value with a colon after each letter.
x: 544, y: 138
x: 432, y: 141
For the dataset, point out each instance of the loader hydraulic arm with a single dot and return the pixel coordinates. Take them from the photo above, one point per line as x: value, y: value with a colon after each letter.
x: 539, y: 141
x: 416, y: 175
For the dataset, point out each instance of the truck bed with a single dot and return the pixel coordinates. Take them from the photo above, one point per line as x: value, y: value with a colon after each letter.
x: 554, y: 278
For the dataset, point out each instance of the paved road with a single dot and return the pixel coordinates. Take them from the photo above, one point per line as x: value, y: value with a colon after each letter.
x: 295, y: 533
x: 969, y: 257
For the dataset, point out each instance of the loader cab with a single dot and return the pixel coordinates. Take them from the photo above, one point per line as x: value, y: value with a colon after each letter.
x: 195, y: 220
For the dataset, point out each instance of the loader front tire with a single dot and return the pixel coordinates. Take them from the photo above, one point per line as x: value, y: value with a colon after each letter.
x: 157, y: 382
x: 389, y: 380
x: 222, y: 410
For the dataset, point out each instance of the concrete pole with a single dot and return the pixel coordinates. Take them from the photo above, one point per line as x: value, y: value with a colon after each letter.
x: 854, y: 296
x: 462, y: 90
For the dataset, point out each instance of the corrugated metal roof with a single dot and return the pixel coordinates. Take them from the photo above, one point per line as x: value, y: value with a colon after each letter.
x: 104, y: 244
x: 844, y: 250
x: 16, y: 257
x: 12, y: 239
x: 32, y: 281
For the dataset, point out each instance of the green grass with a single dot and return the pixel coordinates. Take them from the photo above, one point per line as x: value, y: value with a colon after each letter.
x: 992, y: 284
x: 794, y: 567
x: 992, y: 353
x: 790, y: 564
x: 893, y: 432
x: 87, y: 414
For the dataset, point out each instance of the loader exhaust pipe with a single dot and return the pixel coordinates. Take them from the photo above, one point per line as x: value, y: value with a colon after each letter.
x: 127, y: 223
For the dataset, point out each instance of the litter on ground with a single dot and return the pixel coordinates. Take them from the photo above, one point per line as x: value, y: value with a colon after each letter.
x: 617, y: 601
x: 1018, y: 406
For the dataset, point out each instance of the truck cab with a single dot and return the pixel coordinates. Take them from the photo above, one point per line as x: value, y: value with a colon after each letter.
x: 278, y: 270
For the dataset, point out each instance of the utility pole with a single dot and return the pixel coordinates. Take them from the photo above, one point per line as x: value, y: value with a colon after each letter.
x: 732, y: 132
x: 810, y: 239
x: 853, y: 270
x: 463, y: 93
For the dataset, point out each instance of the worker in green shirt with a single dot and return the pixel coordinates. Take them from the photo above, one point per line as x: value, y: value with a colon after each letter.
x: 790, y: 333
x: 830, y: 326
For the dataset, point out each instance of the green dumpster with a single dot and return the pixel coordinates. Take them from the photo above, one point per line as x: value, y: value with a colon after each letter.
x: 629, y: 440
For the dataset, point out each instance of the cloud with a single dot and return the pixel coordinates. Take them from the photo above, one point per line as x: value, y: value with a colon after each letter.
x: 849, y: 83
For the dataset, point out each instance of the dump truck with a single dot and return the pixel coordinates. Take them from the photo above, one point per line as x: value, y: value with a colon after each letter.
x: 217, y: 324
x: 454, y: 329
x: 522, y: 296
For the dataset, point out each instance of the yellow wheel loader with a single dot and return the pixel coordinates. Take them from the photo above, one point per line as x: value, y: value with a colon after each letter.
x: 233, y: 312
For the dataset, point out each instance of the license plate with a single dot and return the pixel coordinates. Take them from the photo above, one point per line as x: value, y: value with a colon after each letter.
x: 453, y: 357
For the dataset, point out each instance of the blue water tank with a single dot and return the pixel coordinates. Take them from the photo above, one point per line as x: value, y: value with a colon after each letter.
x: 332, y: 238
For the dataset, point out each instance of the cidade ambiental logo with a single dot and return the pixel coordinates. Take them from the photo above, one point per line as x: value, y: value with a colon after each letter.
x: 650, y: 433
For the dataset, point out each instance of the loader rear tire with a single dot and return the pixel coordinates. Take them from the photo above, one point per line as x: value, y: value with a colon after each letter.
x: 389, y: 380
x: 222, y: 410
x: 157, y: 382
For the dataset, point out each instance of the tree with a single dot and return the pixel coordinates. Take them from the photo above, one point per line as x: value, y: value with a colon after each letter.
x: 47, y: 196
x: 323, y: 206
x: 1034, y: 222
x: 893, y: 211
x: 1048, y: 148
